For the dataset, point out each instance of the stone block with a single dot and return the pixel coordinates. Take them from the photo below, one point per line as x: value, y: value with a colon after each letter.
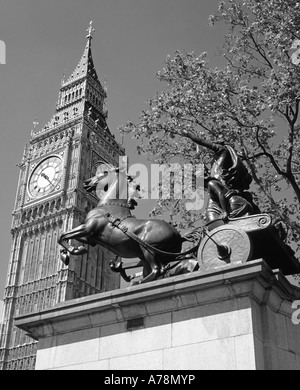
x: 271, y: 326
x: 134, y: 311
x: 208, y: 327
x: 158, y: 320
x: 143, y: 361
x: 67, y: 348
x: 188, y: 300
x: 91, y: 366
x: 257, y: 321
x: 113, y: 329
x: 216, y: 294
x: 281, y: 338
x: 211, y: 355
x: 297, y: 362
x: 286, y: 360
x: 78, y: 336
x: 161, y: 305
x: 107, y: 317
x: 259, y: 353
x: 79, y: 322
x: 245, y: 352
x: 271, y: 356
x: 293, y: 336
x: 126, y: 343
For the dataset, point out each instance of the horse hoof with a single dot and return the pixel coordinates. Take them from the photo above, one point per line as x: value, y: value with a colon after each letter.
x: 65, y: 257
x: 116, y: 266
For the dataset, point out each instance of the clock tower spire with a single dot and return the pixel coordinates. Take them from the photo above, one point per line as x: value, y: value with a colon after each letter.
x: 51, y: 199
x: 90, y: 31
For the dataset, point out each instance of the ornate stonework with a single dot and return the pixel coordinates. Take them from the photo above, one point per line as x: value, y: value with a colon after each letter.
x: 78, y: 135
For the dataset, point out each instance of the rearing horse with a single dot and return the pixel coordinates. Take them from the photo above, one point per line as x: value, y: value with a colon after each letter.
x: 152, y: 241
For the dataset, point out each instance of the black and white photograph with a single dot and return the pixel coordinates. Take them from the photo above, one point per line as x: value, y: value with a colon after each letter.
x: 150, y: 197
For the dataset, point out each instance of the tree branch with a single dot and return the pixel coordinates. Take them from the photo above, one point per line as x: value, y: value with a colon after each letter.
x: 261, y: 51
x: 292, y: 123
x: 255, y: 156
x: 283, y: 216
x: 269, y: 155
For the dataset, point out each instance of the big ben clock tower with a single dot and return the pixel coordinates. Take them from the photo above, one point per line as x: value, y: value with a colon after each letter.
x: 50, y: 199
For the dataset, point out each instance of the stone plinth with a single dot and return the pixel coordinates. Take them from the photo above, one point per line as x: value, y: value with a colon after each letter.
x: 235, y: 317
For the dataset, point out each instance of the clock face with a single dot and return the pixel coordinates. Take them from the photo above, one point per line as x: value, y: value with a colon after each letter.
x: 46, y: 177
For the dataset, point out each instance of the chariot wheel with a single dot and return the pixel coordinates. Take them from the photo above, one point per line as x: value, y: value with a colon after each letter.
x: 224, y: 245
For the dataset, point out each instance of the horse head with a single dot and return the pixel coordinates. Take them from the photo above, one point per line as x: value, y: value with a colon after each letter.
x: 113, y: 183
x: 103, y: 170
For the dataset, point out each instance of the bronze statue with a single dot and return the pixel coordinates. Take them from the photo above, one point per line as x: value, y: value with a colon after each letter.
x: 236, y: 231
x: 227, y: 182
x: 155, y: 242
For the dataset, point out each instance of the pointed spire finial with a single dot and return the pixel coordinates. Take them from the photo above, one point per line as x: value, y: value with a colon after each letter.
x: 105, y: 84
x: 64, y: 77
x: 35, y: 122
x: 90, y: 30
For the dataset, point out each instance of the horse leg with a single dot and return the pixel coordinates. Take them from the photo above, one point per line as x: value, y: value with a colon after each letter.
x: 152, y: 269
x: 79, y: 233
x: 82, y: 233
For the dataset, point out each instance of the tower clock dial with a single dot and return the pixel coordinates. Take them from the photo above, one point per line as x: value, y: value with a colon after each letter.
x: 46, y: 177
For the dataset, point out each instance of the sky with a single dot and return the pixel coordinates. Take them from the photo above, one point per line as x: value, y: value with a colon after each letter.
x: 46, y: 38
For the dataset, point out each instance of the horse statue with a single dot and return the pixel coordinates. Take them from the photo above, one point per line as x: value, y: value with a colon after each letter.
x: 110, y: 224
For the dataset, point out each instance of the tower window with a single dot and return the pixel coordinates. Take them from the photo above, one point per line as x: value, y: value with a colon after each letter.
x: 58, y: 204
x: 46, y: 209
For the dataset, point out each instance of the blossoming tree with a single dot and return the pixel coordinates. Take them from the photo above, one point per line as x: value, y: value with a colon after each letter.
x: 251, y: 102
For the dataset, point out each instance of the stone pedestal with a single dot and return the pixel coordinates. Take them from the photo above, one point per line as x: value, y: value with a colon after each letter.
x: 231, y: 318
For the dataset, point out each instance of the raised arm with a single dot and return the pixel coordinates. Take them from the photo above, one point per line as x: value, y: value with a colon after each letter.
x: 199, y: 141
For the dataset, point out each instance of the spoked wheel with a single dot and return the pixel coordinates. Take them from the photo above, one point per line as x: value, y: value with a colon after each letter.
x: 224, y: 245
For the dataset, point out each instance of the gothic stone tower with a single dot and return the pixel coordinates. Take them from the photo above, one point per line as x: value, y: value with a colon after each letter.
x: 50, y: 199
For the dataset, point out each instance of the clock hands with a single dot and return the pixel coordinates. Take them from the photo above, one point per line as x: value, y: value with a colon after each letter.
x: 47, y: 178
